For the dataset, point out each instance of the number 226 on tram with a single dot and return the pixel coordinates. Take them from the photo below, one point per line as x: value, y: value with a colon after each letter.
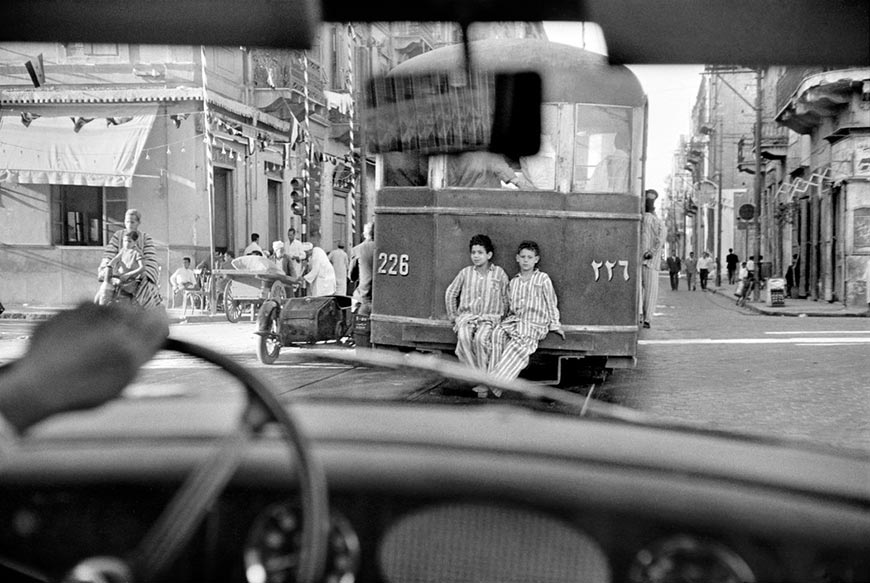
x: 578, y: 197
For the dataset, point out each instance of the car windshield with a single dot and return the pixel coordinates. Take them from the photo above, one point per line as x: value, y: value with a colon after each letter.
x: 701, y: 231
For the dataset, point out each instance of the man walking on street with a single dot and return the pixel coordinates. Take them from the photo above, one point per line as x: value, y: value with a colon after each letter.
x: 674, y: 267
x: 704, y: 265
x: 691, y: 265
x: 731, y: 262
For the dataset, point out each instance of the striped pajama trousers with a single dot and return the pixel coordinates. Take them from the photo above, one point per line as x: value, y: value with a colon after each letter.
x: 511, y: 350
x: 473, y: 342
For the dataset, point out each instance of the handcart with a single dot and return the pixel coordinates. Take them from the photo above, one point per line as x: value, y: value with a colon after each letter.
x: 298, y: 321
x: 251, y: 281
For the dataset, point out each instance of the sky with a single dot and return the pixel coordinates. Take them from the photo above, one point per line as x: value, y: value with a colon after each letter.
x: 671, y: 90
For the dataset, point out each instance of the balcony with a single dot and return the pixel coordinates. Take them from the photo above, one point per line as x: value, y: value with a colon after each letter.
x: 822, y: 95
x: 774, y: 146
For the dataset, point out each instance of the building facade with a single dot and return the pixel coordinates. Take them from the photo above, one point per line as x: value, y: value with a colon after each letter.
x: 210, y: 144
x: 823, y: 193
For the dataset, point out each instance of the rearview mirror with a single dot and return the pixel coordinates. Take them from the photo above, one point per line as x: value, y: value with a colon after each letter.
x: 440, y: 113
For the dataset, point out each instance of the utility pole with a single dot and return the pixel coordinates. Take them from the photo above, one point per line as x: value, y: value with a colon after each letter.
x: 719, y: 207
x: 758, y: 103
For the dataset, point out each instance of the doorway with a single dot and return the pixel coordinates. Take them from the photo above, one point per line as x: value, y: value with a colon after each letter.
x: 276, y: 211
x: 222, y: 225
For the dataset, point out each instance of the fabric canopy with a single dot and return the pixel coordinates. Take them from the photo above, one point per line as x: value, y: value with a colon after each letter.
x: 103, y: 151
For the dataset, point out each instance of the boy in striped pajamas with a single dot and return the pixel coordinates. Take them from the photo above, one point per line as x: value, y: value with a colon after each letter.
x: 533, y: 313
x: 476, y: 301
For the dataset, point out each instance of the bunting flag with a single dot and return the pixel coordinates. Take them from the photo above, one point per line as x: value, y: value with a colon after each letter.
x: 27, y: 118
x: 178, y: 118
x: 116, y: 121
x: 79, y: 122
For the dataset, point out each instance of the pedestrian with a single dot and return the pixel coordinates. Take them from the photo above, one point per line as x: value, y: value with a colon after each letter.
x: 319, y: 275
x: 652, y: 235
x: 533, y: 312
x: 254, y: 248
x: 731, y: 263
x: 476, y: 301
x: 690, y: 265
x: 147, y: 293
x: 339, y: 259
x: 674, y: 267
x: 296, y: 254
x: 704, y: 265
x: 790, y: 282
x: 743, y: 284
x: 281, y: 258
x: 363, y: 263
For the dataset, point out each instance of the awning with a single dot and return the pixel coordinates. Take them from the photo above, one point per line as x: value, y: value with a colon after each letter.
x: 83, y: 150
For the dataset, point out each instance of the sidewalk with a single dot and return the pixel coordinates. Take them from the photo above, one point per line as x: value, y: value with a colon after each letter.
x: 794, y: 307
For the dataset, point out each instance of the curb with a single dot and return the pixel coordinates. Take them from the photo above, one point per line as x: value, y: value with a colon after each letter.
x: 42, y: 314
x: 765, y: 310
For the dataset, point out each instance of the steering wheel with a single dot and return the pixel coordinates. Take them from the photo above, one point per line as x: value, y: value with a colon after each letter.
x: 182, y: 516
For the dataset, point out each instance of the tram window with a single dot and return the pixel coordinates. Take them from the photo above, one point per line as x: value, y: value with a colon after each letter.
x: 482, y: 170
x: 540, y: 168
x: 602, y: 149
x: 405, y: 169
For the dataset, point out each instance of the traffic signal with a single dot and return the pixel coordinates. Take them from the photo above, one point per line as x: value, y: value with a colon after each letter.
x: 298, y: 204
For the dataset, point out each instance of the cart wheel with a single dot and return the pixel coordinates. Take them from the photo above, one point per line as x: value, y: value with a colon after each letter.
x: 232, y: 307
x: 278, y: 292
x: 269, y: 347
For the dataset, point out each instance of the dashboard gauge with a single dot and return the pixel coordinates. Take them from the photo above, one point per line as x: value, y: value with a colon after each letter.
x: 272, y: 548
x: 690, y: 559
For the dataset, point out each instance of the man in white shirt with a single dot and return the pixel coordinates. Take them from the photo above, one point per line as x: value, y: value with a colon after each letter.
x: 296, y: 253
x: 254, y: 248
x: 339, y: 260
x: 705, y: 264
x: 182, y: 278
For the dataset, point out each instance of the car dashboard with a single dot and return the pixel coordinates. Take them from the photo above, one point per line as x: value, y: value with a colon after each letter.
x: 445, y: 493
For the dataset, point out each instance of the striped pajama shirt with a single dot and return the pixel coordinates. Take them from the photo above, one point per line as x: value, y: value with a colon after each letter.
x: 476, y: 302
x: 533, y: 313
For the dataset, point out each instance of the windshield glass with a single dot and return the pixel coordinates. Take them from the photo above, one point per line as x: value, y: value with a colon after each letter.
x: 675, y: 211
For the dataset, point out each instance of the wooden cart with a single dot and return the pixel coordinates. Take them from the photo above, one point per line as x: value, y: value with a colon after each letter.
x: 250, y: 282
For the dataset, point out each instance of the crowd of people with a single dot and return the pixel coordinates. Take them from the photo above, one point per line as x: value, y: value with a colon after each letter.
x: 129, y: 270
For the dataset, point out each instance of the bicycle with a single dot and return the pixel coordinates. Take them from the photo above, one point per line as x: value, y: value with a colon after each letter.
x: 750, y: 284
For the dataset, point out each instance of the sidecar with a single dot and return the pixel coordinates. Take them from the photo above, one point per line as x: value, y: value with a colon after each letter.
x: 298, y: 321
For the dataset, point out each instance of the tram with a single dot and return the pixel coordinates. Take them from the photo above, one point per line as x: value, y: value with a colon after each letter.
x: 580, y: 199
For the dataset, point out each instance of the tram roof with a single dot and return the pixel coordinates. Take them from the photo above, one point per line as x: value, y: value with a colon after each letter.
x: 569, y: 74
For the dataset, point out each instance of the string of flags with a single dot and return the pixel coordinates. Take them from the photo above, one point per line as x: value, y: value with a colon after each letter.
x: 261, y: 141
